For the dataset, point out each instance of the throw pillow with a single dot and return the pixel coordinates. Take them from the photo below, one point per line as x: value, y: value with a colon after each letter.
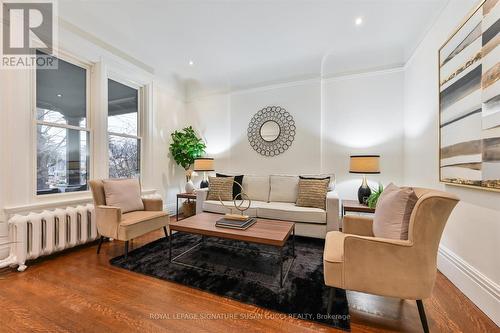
x: 393, y: 211
x: 236, y: 188
x: 123, y: 193
x: 331, y: 177
x: 220, y: 188
x: 312, y: 193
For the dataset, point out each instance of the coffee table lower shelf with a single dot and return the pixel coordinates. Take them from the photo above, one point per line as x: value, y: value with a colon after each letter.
x: 222, y: 233
x: 280, y: 254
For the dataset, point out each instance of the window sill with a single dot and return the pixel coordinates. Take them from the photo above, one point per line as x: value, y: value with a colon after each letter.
x: 56, y: 201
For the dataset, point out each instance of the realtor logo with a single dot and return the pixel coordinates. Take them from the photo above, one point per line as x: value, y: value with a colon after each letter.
x: 28, y: 27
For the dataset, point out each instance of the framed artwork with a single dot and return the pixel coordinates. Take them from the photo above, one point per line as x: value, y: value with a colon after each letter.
x: 469, y: 101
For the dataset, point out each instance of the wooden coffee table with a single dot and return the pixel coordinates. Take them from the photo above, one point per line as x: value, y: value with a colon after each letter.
x: 266, y: 232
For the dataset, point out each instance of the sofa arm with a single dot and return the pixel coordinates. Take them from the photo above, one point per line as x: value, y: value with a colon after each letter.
x: 108, y: 219
x: 357, y: 225
x: 333, y: 204
x: 152, y: 204
x: 201, y: 196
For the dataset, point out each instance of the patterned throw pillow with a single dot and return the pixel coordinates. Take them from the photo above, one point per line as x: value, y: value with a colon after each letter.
x: 312, y: 193
x: 220, y: 188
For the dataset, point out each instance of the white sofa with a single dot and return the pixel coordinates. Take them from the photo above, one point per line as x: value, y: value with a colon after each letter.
x: 274, y: 197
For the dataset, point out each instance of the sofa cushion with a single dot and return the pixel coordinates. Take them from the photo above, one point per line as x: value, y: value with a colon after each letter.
x: 288, y: 211
x: 312, y: 193
x: 220, y: 188
x: 394, y: 208
x: 256, y: 187
x: 237, y: 179
x: 214, y: 206
x: 138, y: 223
x: 123, y: 193
x: 284, y: 188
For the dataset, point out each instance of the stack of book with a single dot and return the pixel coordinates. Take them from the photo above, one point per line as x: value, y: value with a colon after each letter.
x: 235, y: 224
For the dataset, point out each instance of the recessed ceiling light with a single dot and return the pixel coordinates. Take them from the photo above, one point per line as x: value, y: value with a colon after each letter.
x: 191, y: 62
x: 358, y: 21
x: 59, y: 95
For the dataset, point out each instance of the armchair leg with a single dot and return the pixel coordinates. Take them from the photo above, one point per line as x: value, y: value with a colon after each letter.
x: 126, y: 249
x: 331, y: 296
x: 423, y: 318
x: 100, y: 243
x: 165, y: 230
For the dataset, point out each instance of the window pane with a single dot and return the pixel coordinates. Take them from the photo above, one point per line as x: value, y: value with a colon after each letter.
x: 122, y: 108
x: 61, y: 94
x: 62, y: 160
x: 124, y: 157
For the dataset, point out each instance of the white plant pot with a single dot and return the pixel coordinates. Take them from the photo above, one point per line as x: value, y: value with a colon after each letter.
x: 189, y: 187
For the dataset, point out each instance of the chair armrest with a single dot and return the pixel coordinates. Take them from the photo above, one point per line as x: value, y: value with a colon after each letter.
x: 388, y: 267
x: 152, y: 204
x: 108, y: 219
x: 333, y: 204
x: 357, y: 225
x: 201, y: 196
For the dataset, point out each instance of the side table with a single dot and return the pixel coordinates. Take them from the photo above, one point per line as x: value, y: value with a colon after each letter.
x: 188, y: 196
x: 355, y: 206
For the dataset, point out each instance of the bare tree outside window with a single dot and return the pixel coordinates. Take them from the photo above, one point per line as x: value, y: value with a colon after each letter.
x: 123, y: 131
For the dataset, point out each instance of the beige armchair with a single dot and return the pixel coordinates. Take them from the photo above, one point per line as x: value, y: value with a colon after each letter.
x: 112, y: 223
x: 356, y: 260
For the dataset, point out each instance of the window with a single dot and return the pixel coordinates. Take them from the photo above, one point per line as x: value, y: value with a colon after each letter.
x: 123, y: 131
x: 62, y: 129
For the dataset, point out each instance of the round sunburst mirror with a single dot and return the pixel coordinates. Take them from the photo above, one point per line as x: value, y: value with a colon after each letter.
x: 271, y: 131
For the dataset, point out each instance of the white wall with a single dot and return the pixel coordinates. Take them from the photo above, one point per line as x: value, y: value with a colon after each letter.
x: 335, y: 117
x: 363, y: 114
x: 164, y: 113
x: 471, y: 242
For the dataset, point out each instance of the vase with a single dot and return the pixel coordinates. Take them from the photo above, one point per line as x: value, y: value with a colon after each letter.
x: 189, y: 186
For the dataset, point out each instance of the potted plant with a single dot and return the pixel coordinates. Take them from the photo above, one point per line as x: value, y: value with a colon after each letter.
x: 185, y: 147
x: 373, y: 198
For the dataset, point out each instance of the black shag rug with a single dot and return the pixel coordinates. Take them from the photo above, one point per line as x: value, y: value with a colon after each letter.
x: 247, y: 273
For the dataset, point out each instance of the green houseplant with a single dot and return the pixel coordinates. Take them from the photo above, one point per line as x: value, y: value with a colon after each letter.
x: 373, y: 198
x: 186, y: 146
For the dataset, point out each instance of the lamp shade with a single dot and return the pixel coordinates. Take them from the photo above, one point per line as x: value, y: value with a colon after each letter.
x: 364, y: 164
x: 204, y: 164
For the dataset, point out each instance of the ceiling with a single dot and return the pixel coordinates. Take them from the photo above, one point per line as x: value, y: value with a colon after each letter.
x: 243, y: 43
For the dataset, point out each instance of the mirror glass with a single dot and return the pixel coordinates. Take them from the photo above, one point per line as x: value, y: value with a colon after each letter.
x: 270, y: 131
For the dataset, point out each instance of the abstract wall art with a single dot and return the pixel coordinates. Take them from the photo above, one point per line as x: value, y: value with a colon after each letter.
x: 469, y: 101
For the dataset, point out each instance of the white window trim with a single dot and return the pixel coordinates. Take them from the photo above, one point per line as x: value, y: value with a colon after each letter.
x: 112, y: 75
x: 65, y: 56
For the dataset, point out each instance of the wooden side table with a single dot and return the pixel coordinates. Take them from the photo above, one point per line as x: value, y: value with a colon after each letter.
x: 355, y: 206
x: 188, y: 196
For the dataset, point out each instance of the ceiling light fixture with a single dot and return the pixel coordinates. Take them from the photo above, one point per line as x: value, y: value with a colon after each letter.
x: 358, y: 21
x: 59, y: 95
x: 191, y: 62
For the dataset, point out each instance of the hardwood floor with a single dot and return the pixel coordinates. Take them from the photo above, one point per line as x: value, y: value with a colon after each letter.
x: 78, y: 291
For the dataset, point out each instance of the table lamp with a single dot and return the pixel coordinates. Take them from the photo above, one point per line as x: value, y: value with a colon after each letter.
x: 364, y: 164
x: 204, y: 164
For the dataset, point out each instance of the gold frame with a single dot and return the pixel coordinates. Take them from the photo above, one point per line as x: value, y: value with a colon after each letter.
x: 467, y: 18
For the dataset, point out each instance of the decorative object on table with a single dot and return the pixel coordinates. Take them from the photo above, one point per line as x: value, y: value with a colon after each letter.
x: 271, y: 131
x: 235, y: 224
x: 238, y: 179
x: 312, y: 192
x: 189, y: 187
x: 364, y: 164
x: 469, y: 102
x: 373, y: 198
x: 204, y: 164
x: 239, y: 204
x: 186, y: 146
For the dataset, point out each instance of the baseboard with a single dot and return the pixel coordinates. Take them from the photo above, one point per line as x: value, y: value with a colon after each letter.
x: 476, y: 286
